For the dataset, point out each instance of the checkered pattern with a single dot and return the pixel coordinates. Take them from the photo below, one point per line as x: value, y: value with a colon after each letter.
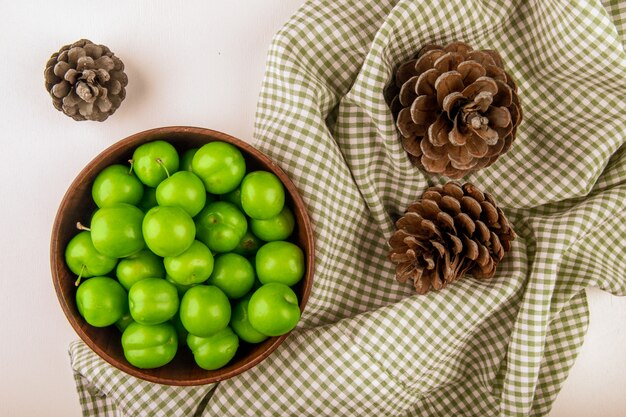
x: 366, y: 345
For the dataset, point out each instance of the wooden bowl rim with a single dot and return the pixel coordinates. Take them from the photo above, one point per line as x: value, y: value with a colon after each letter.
x: 122, y: 145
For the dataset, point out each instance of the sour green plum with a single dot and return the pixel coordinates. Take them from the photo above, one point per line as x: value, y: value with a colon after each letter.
x: 116, y: 184
x: 116, y: 230
x: 84, y: 260
x: 154, y: 161
x: 168, y: 231
x: 183, y: 189
x: 233, y: 197
x: 215, y: 351
x: 192, y: 266
x: 187, y: 158
x: 148, y: 200
x: 248, y: 245
x: 180, y: 330
x: 233, y: 274
x: 220, y: 165
x: 148, y: 347
x: 124, y: 321
x: 220, y: 226
x: 153, y: 301
x: 241, y: 325
x: 204, y: 310
x: 182, y: 289
x: 273, y: 309
x: 101, y: 301
x: 281, y: 262
x: 262, y: 195
x: 278, y: 227
x: 134, y: 268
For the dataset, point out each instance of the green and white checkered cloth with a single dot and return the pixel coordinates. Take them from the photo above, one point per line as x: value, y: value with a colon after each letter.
x: 366, y: 345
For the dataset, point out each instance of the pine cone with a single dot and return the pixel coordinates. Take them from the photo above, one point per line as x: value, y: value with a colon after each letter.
x: 452, y: 230
x: 456, y: 109
x: 86, y: 81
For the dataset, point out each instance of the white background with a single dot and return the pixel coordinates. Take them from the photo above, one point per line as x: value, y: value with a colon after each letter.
x: 196, y: 63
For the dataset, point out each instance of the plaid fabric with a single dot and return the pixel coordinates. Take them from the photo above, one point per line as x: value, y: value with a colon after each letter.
x: 367, y: 345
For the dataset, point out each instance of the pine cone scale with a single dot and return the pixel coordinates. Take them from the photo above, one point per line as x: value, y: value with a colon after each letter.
x: 471, y: 71
x: 422, y: 111
x: 405, y: 72
x: 499, y: 117
x: 413, y: 147
x: 448, y: 83
x: 427, y: 61
x: 438, y: 131
x: 448, y: 61
x: 425, y: 84
x: 407, y: 91
x: 477, y: 147
x: 504, y: 96
x: 455, y: 136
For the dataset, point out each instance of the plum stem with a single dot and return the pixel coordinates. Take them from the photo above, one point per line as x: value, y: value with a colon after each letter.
x: 80, y: 276
x: 160, y: 162
x: 131, y: 162
x: 80, y: 226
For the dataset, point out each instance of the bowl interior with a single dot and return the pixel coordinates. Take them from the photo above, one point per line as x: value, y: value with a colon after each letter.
x: 78, y: 206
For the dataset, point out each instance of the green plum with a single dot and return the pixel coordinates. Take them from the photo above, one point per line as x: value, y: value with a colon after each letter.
x: 234, y: 197
x: 180, y: 329
x: 116, y: 230
x: 278, y: 227
x: 168, y: 231
x: 101, y: 301
x: 241, y: 325
x: 193, y: 266
x: 155, y: 161
x: 182, y: 289
x: 273, y: 309
x: 262, y: 195
x: 220, y: 165
x: 248, y: 245
x: 187, y: 158
x: 150, y: 347
x: 281, y: 262
x: 215, y: 351
x: 183, y: 189
x: 84, y: 260
x: 148, y: 200
x: 116, y: 184
x: 143, y: 264
x: 220, y: 225
x: 152, y: 301
x: 204, y: 310
x: 124, y: 322
x: 232, y: 274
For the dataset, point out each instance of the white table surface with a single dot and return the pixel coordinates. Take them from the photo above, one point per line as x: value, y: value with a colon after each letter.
x: 196, y: 63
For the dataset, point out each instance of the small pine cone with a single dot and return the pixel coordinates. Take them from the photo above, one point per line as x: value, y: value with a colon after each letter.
x: 451, y: 230
x: 457, y: 109
x: 86, y: 81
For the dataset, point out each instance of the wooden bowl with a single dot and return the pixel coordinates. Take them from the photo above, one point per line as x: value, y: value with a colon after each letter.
x: 77, y: 205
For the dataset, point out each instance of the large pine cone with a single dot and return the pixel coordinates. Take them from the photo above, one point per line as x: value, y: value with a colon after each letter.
x: 86, y: 81
x: 456, y: 109
x: 451, y: 230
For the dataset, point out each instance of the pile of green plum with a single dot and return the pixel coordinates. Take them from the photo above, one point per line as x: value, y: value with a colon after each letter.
x: 188, y: 250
